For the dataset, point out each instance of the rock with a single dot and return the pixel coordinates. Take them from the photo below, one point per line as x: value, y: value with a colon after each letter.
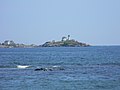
x: 49, y: 69
x: 41, y: 69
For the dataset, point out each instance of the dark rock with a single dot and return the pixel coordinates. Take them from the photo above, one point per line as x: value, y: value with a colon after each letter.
x: 49, y: 69
x: 38, y: 69
x: 41, y: 69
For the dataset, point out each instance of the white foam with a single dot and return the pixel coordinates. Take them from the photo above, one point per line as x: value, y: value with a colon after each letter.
x: 56, y: 66
x: 22, y: 66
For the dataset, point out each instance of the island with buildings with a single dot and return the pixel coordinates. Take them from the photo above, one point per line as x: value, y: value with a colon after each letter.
x: 64, y: 42
x: 12, y: 44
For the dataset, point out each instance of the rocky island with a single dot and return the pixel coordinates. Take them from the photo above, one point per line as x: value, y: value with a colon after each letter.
x: 65, y: 42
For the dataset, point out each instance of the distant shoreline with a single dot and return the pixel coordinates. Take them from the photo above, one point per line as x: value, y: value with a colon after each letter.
x: 61, y: 47
x: 65, y: 42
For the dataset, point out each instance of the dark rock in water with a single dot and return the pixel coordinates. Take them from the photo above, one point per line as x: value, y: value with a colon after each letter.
x: 38, y: 69
x: 41, y: 69
x: 49, y: 69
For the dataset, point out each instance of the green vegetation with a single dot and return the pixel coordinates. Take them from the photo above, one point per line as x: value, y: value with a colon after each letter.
x: 66, y: 43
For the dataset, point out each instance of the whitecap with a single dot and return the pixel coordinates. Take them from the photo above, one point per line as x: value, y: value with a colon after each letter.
x: 22, y: 66
x: 55, y: 66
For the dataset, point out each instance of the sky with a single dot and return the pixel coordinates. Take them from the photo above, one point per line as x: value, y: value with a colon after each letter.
x: 96, y: 22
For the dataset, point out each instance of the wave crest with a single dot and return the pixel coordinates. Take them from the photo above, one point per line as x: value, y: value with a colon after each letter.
x: 22, y: 66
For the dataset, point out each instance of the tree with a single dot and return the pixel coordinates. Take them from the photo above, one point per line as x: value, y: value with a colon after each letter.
x: 63, y: 38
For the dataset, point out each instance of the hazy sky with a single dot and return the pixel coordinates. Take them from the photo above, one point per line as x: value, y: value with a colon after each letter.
x: 96, y: 22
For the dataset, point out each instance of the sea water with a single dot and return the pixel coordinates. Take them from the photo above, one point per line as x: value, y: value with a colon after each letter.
x: 84, y: 68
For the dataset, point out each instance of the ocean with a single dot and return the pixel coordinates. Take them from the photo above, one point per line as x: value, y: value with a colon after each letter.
x: 66, y: 68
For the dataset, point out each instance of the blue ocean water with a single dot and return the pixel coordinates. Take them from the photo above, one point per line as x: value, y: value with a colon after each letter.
x: 84, y: 68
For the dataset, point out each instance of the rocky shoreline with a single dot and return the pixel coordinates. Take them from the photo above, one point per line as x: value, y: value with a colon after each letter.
x: 67, y: 43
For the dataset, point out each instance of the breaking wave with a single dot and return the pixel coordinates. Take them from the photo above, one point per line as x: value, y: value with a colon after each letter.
x: 22, y: 66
